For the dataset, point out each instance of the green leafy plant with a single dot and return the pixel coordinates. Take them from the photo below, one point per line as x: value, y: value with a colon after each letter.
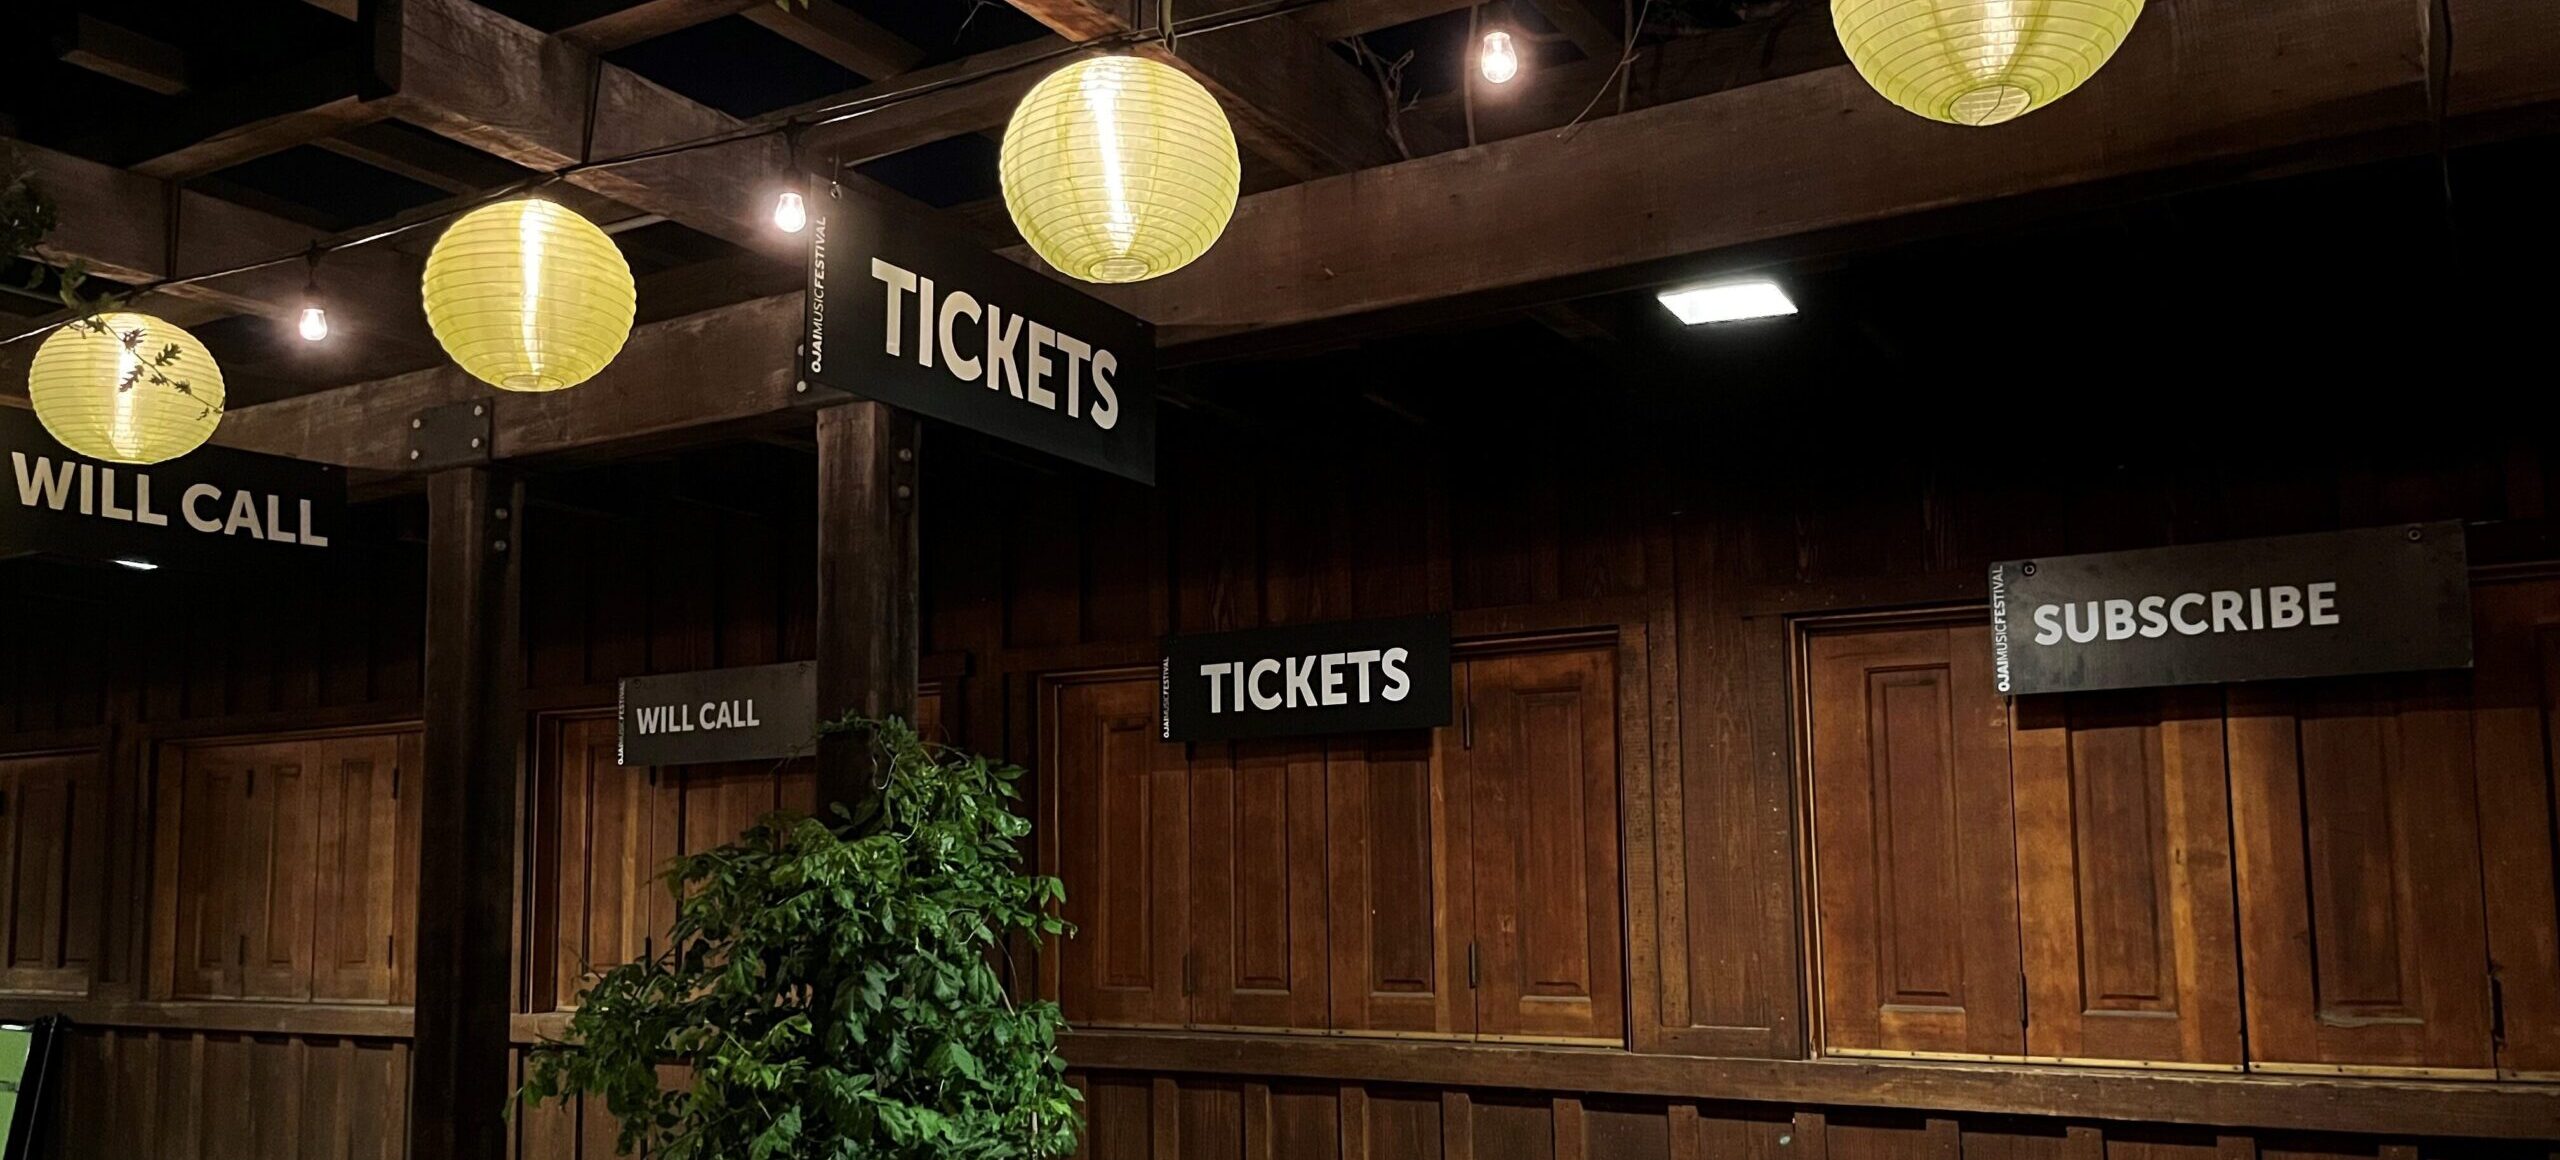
x: 832, y: 986
x: 27, y: 216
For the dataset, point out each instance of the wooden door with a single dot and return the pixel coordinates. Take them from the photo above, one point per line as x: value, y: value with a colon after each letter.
x: 2356, y: 829
x: 2124, y: 868
x: 616, y: 828
x: 2515, y: 694
x: 361, y: 853
x: 1119, y: 802
x: 1913, y: 844
x: 207, y: 858
x: 1538, y: 758
x: 1257, y: 887
x: 52, y: 854
x: 1399, y: 887
x: 280, y: 846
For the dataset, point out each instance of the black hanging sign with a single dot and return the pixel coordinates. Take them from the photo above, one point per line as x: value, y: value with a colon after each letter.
x: 1343, y: 677
x: 907, y: 314
x: 212, y: 507
x: 2375, y: 600
x: 719, y: 715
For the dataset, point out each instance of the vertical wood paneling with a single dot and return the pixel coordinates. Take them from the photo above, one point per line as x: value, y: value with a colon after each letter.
x: 53, y: 846
x: 1913, y: 844
x: 2357, y: 835
x: 1401, y: 902
x: 1257, y: 822
x: 1538, y: 757
x: 2516, y: 688
x: 1120, y: 816
x: 2124, y: 864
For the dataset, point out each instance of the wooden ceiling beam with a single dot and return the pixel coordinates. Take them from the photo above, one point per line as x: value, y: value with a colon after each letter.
x: 841, y: 35
x: 111, y: 50
x: 483, y: 80
x: 1599, y: 39
x: 954, y: 110
x: 428, y: 160
x: 719, y: 371
x: 116, y: 221
x: 1344, y: 19
x: 2205, y: 90
x: 1293, y: 100
x: 649, y: 20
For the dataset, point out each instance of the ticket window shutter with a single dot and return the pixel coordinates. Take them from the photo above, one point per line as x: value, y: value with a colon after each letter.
x: 2516, y: 690
x: 360, y: 858
x: 2124, y: 864
x: 1120, y: 802
x: 52, y: 846
x: 1538, y: 759
x: 616, y: 828
x: 1400, y: 888
x: 1257, y: 884
x: 1914, y: 847
x: 279, y: 872
x: 2358, y: 843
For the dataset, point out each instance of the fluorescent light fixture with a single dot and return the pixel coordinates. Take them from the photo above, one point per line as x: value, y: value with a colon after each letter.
x: 137, y: 564
x: 1728, y: 301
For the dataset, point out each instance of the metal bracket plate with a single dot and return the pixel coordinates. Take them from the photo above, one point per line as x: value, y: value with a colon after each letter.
x: 453, y: 435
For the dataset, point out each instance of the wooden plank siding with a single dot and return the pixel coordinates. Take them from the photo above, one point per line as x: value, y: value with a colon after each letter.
x: 1688, y: 591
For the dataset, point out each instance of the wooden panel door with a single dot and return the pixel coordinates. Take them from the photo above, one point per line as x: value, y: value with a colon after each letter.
x: 2357, y: 836
x: 1399, y: 889
x: 2515, y: 694
x: 362, y: 851
x: 206, y: 856
x: 279, y: 870
x: 52, y: 853
x: 1913, y: 844
x: 1538, y: 757
x: 2124, y: 869
x: 615, y: 829
x: 1120, y: 841
x: 1258, y: 885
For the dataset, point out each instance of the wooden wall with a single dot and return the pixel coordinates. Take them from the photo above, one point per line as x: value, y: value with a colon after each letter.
x: 1697, y: 568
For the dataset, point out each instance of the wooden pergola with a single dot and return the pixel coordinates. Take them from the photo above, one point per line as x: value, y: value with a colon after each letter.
x: 1727, y: 148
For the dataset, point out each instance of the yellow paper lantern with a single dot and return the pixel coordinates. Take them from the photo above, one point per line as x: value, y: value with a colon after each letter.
x: 528, y: 296
x: 1119, y: 169
x: 126, y: 388
x: 1980, y: 62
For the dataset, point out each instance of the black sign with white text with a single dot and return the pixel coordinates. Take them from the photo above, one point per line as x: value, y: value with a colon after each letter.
x: 212, y: 507
x: 911, y: 316
x: 1344, y: 677
x: 2376, y: 600
x: 720, y: 715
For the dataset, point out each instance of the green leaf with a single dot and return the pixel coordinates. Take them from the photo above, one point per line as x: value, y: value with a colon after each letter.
x: 828, y: 986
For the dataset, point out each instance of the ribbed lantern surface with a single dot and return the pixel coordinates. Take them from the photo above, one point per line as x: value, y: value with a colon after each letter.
x: 1980, y: 62
x: 529, y: 296
x: 1119, y: 169
x: 113, y: 396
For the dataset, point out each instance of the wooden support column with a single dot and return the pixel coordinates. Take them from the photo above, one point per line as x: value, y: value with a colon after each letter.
x: 467, y: 799
x: 868, y: 630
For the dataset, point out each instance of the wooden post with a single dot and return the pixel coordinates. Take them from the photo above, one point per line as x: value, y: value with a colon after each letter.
x: 868, y: 631
x: 467, y: 802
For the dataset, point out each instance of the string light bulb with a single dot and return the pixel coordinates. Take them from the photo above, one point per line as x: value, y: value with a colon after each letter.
x: 1497, y: 59
x: 313, y: 323
x: 790, y: 213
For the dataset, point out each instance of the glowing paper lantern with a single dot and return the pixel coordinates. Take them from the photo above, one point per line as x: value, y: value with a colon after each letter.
x: 528, y: 296
x: 1119, y: 169
x: 1980, y: 62
x: 126, y: 388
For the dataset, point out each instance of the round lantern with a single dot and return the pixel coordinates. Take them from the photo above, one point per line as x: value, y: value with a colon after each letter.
x: 1980, y: 62
x: 126, y: 388
x: 528, y: 296
x: 1119, y: 169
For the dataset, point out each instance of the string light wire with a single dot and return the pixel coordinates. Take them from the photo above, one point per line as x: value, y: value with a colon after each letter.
x: 818, y: 118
